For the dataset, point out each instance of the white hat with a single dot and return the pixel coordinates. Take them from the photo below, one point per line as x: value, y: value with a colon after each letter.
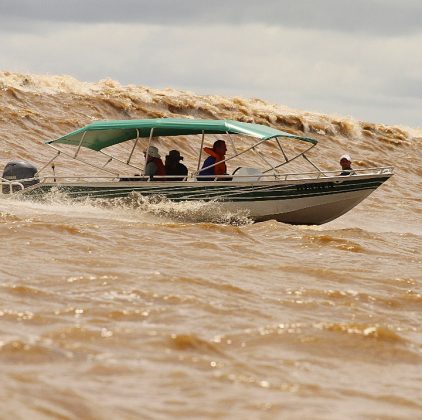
x: 347, y: 157
x: 153, y: 152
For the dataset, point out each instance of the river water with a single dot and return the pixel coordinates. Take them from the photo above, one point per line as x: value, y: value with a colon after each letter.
x: 163, y: 311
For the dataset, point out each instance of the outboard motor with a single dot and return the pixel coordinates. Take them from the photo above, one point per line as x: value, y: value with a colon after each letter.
x: 17, y: 170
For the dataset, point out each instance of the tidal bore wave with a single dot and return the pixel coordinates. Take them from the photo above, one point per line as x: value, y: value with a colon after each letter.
x: 143, y: 308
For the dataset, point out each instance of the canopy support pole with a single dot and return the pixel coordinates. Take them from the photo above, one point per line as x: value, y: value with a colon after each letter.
x: 307, y: 159
x: 83, y: 161
x: 146, y: 154
x: 120, y: 160
x: 133, y: 149
x: 80, y: 144
x: 282, y: 150
x: 200, y: 150
x: 48, y: 163
x: 232, y: 142
x: 232, y: 157
x: 293, y: 158
x: 109, y: 160
x: 265, y: 161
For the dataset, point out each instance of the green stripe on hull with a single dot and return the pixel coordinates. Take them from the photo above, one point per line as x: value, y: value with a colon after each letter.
x: 232, y: 193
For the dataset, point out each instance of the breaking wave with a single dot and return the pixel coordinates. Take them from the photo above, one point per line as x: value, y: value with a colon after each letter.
x: 262, y: 315
x: 36, y: 108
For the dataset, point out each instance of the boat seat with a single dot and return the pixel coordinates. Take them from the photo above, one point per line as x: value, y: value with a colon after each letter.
x: 245, y: 174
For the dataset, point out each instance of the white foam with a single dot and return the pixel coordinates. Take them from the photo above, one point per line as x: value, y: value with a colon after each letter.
x: 135, y: 208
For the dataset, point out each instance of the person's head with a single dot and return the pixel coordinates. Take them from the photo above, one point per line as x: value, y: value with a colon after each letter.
x: 220, y: 147
x: 174, y: 156
x: 152, y: 152
x: 345, y: 162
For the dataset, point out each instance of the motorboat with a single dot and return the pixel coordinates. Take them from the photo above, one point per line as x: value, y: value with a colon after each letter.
x: 260, y: 185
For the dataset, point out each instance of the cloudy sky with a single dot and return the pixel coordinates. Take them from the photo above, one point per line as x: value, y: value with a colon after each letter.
x: 357, y: 58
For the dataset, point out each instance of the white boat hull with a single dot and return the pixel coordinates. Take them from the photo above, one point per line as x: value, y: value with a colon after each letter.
x: 306, y: 201
x: 298, y: 211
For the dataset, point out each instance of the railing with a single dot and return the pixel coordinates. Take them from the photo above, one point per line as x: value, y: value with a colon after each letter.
x: 303, y: 176
x: 10, y: 183
x: 387, y: 170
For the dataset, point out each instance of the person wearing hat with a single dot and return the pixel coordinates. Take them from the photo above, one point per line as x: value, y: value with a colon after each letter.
x: 154, y: 166
x: 346, y: 165
x: 174, y: 167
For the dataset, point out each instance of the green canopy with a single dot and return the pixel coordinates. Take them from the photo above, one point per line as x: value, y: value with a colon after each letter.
x: 101, y: 134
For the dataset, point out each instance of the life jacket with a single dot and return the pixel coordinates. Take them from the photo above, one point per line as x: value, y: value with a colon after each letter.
x: 219, y: 168
x: 161, y: 170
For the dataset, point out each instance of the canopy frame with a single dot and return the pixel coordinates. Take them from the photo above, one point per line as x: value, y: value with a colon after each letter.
x: 103, y: 134
x: 197, y: 127
x: 272, y: 168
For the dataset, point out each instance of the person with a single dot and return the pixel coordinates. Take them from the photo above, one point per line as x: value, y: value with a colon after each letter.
x: 346, y: 165
x: 216, y: 156
x: 154, y: 166
x: 174, y: 167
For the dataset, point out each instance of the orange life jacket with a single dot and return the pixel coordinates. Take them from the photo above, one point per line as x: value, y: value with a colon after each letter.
x: 219, y: 168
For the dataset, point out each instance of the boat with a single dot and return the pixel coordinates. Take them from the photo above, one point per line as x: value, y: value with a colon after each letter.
x: 263, y: 190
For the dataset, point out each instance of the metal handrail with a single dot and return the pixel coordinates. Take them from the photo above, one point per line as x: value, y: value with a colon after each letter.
x: 11, y: 183
x: 311, y: 175
x: 261, y: 177
x: 196, y: 175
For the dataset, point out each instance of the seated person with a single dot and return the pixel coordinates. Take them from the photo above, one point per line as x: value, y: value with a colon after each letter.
x: 216, y: 155
x: 155, y: 166
x: 346, y: 166
x: 174, y: 167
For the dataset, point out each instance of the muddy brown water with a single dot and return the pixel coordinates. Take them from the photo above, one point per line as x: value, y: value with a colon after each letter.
x: 162, y: 311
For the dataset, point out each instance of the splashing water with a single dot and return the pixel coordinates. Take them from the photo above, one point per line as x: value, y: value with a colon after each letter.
x: 134, y: 300
x: 138, y: 206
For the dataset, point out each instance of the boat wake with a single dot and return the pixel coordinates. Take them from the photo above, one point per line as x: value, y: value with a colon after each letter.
x: 277, y: 320
x: 185, y: 211
x: 135, y: 207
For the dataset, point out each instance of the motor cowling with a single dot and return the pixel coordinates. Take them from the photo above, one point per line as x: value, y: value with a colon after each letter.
x: 20, y: 171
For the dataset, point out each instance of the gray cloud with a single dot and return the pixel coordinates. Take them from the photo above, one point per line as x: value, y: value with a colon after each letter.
x: 385, y: 17
x: 311, y: 58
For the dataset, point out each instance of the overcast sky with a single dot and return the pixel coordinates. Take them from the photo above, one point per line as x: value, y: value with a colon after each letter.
x: 357, y: 58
